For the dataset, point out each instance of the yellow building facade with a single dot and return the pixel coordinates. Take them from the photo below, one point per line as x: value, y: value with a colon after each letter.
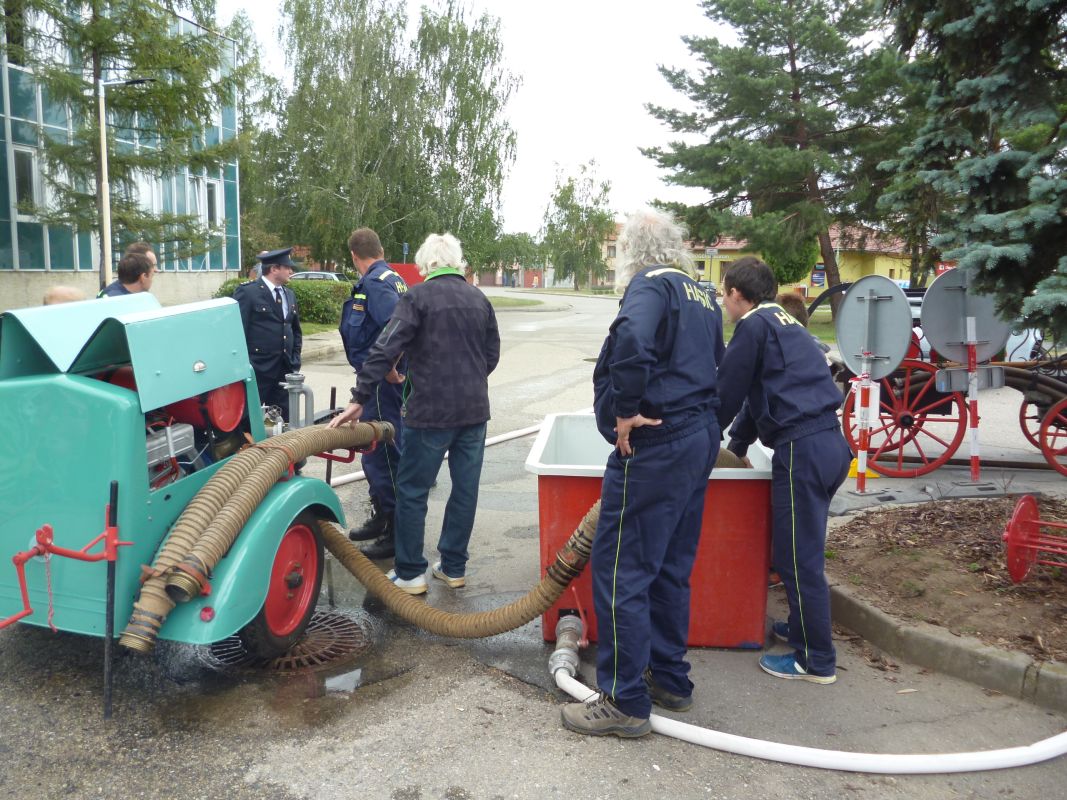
x: 860, y: 252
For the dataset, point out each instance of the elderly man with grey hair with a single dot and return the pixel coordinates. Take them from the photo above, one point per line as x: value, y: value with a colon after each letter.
x: 655, y: 399
x: 448, y: 332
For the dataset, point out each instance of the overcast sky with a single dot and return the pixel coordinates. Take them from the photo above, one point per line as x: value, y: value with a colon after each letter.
x: 587, y: 69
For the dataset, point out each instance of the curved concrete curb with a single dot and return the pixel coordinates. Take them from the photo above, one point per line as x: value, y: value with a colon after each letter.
x: 1015, y: 674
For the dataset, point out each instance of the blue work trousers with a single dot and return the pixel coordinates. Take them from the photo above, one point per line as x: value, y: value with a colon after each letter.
x: 646, y: 541
x: 420, y: 461
x: 805, y: 474
x: 380, y: 465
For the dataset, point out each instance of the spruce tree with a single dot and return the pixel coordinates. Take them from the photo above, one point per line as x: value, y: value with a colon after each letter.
x: 994, y: 144
x: 785, y: 117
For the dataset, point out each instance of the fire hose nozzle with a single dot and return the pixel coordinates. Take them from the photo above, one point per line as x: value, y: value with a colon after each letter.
x: 565, y: 657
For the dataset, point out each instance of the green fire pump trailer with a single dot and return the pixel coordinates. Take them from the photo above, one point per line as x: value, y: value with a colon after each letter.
x: 113, y: 414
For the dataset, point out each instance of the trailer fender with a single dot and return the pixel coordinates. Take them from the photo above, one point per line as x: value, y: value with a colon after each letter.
x: 239, y: 582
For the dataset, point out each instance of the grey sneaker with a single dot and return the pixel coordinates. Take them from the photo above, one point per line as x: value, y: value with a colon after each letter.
x: 664, y: 699
x: 600, y: 717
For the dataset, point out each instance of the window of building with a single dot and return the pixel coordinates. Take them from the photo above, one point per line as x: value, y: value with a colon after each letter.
x: 611, y: 251
x: 212, y: 205
x: 892, y: 273
x: 15, y: 30
x: 27, y: 181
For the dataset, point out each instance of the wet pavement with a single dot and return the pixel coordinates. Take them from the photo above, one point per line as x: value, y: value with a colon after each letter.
x: 419, y: 716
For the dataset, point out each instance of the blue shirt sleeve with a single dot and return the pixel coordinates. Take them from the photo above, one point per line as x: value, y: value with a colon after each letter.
x: 738, y: 368
x: 643, y: 308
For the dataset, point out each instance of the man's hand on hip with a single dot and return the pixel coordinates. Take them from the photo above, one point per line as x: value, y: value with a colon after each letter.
x: 623, y: 426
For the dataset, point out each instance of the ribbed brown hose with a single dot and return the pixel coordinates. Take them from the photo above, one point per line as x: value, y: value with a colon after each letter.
x: 233, y: 494
x: 570, y: 561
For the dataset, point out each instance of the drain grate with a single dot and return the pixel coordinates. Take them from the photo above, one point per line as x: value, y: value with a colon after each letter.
x: 333, y: 638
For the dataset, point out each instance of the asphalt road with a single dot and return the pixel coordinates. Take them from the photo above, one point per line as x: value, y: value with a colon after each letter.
x: 423, y: 717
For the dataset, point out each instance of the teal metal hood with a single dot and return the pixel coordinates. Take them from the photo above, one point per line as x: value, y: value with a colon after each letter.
x: 176, y: 352
x: 46, y: 339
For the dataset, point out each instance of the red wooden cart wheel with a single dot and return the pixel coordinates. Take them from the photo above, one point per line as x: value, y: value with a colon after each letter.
x: 1053, y: 436
x: 1019, y: 539
x: 1030, y: 417
x: 917, y: 428
x: 292, y: 591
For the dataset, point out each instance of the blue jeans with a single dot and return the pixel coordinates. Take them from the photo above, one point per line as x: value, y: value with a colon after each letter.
x: 420, y: 460
x: 380, y: 465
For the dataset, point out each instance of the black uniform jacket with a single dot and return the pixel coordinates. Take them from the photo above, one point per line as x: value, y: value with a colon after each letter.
x: 273, y: 341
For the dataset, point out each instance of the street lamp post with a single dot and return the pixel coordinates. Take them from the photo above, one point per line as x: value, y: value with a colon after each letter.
x: 105, y: 189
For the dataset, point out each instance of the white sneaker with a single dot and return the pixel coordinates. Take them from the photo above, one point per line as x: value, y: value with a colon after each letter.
x: 409, y: 585
x: 453, y: 583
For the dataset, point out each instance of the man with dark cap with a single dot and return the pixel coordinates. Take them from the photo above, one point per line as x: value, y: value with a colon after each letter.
x: 365, y: 314
x: 272, y: 327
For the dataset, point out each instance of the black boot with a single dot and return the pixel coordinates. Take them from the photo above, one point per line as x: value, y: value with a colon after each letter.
x: 382, y: 547
x: 374, y: 527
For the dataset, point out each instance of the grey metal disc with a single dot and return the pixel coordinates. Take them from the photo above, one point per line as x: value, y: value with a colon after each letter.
x: 874, y: 316
x: 947, y: 304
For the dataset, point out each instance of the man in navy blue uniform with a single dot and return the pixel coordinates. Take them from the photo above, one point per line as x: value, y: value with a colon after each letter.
x: 374, y: 297
x: 272, y: 327
x: 655, y: 400
x: 774, y: 364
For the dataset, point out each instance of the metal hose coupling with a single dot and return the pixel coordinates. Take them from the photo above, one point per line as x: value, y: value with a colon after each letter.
x: 574, y: 555
x: 569, y: 631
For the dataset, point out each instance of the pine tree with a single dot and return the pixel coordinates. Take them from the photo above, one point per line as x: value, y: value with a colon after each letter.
x: 994, y: 143
x: 72, y: 47
x: 789, y: 113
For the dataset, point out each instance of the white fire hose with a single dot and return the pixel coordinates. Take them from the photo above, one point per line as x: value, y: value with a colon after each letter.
x: 564, y: 663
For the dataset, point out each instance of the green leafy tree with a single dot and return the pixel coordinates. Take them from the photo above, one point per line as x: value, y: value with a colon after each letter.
x: 993, y: 146
x: 512, y: 249
x: 407, y: 136
x: 577, y: 222
x: 784, y: 119
x: 72, y: 47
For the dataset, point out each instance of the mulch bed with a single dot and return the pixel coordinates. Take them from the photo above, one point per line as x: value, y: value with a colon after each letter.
x: 943, y: 562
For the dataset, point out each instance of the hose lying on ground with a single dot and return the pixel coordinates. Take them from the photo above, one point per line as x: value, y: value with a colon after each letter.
x: 564, y: 666
x: 570, y: 561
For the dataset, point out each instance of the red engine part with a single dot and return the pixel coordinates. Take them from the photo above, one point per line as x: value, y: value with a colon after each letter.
x: 1025, y: 544
x: 222, y: 408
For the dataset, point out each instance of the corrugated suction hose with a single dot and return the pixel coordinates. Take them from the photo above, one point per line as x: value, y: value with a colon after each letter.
x: 570, y: 561
x: 210, y: 523
x: 181, y: 570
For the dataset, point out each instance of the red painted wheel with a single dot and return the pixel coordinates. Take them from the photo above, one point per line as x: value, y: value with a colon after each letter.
x: 1030, y: 416
x: 292, y: 591
x: 917, y: 428
x: 1020, y: 548
x: 1053, y: 437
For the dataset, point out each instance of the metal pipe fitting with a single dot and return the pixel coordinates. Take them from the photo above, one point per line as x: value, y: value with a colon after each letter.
x: 569, y: 631
x: 295, y: 386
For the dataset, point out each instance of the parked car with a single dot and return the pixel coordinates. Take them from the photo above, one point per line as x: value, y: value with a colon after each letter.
x: 317, y: 276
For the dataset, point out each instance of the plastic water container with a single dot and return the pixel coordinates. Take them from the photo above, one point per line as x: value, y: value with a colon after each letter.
x: 728, y: 598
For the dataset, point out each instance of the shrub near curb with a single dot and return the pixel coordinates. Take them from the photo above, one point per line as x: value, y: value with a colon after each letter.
x: 318, y: 301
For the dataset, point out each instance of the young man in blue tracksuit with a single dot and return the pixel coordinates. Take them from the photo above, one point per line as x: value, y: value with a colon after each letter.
x: 365, y: 314
x: 774, y: 364
x: 655, y: 400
